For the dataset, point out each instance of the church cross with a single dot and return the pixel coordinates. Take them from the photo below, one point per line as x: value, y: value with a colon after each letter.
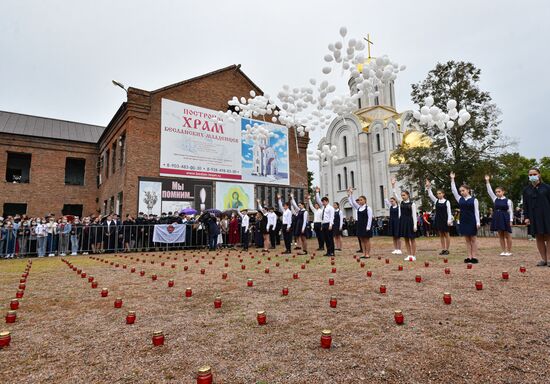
x: 369, y: 43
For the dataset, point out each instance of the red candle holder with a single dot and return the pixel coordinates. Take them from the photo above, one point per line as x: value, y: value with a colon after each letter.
x: 418, y: 278
x: 209, y: 262
x: 226, y: 265
x: 132, y: 270
x: 243, y: 266
x: 447, y: 271
x: 170, y: 283
x: 204, y: 375
x: 358, y: 260
x: 152, y: 261
x: 332, y: 262
x: 505, y: 275
x: 362, y: 264
x: 124, y: 266
x: 154, y: 277
x: 295, y: 276
x: 469, y: 266
x: 479, y: 285
x: 522, y: 269
x: 333, y: 270
x: 142, y: 273
x: 90, y: 279
x: 331, y: 281
x: 285, y: 291
x: 277, y: 264
x: 23, y: 280
x: 14, y: 304
x: 78, y: 271
x: 104, y: 292
x: 224, y: 275
x: 5, y: 339
x: 259, y: 262
x: 369, y: 273
x: 303, y: 266
x: 118, y: 302
x: 400, y: 267
x: 197, y: 261
x: 250, y: 283
x: 83, y: 275
x: 94, y: 284
x: 11, y: 316
x: 240, y: 260
x: 158, y: 338
x: 333, y: 301
x: 445, y: 260
x: 173, y: 266
x: 188, y: 292
x: 307, y: 261
x: 398, y: 316
x: 162, y: 264
x: 447, y: 298
x: 426, y: 264
x: 261, y: 317
x: 387, y: 261
x: 326, y: 338
x: 266, y: 270
x: 22, y: 286
x: 185, y: 267
x: 382, y: 288
x: 203, y: 271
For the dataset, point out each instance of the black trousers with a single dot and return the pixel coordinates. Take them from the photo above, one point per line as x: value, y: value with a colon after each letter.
x: 272, y: 238
x: 244, y: 238
x: 287, y: 236
x: 317, y: 227
x: 328, y: 236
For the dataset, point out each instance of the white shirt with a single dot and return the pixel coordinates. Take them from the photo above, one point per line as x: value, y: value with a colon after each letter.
x: 442, y: 201
x: 317, y: 213
x: 361, y: 208
x: 457, y: 198
x: 287, y: 214
x: 413, y: 207
x: 245, y: 221
x: 326, y: 212
x: 271, y: 221
x: 494, y: 197
x: 40, y: 230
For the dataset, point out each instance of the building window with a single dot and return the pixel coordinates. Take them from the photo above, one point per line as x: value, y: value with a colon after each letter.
x: 345, y: 146
x: 346, y: 177
x: 352, y: 177
x: 378, y: 144
x: 119, y: 204
x: 376, y: 98
x: 113, y: 166
x: 382, y: 197
x: 12, y: 209
x: 99, y: 170
x: 359, y: 102
x: 339, y: 182
x: 105, y: 207
x: 18, y: 168
x: 111, y: 205
x: 72, y: 209
x: 393, y: 140
x: 74, y: 171
x: 107, y: 161
x: 122, y: 145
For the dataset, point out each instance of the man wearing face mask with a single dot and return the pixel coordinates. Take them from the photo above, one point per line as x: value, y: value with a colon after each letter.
x: 51, y: 239
x: 76, y: 232
x: 64, y: 230
x: 41, y: 235
x: 536, y: 210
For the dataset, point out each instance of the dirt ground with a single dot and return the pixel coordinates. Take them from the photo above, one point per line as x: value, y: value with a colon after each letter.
x: 66, y: 333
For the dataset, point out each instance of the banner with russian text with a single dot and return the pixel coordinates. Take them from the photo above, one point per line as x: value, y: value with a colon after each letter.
x: 200, y: 143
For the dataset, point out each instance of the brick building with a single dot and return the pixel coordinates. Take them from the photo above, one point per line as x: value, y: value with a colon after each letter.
x: 74, y: 168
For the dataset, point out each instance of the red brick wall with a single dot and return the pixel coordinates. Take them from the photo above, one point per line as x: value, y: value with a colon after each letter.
x: 46, y: 192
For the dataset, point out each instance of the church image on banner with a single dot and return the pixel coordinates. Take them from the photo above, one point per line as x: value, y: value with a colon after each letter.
x: 264, y: 158
x: 366, y: 140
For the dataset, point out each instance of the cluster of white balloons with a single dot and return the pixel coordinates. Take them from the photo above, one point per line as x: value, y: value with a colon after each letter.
x: 256, y: 131
x: 327, y: 152
x: 313, y: 107
x: 430, y: 115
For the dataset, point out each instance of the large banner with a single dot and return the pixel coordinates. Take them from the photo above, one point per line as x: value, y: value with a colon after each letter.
x: 234, y: 196
x: 196, y: 142
x: 158, y: 196
x: 169, y: 233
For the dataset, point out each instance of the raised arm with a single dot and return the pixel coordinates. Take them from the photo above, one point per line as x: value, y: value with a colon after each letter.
x: 280, y: 203
x: 490, y: 189
x: 293, y: 204
x: 260, y: 207
x: 453, y: 188
x: 394, y: 190
x: 449, y: 213
x: 429, y: 190
x: 351, y: 200
x: 309, y: 205
x: 318, y: 196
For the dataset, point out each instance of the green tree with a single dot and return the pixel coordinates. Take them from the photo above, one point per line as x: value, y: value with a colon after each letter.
x: 474, y: 146
x: 512, y: 174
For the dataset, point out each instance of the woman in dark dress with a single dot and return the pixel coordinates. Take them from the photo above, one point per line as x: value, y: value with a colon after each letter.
x: 502, y: 218
x: 469, y: 218
x: 300, y: 223
x: 364, y: 222
x: 536, y: 211
x: 393, y: 225
x: 443, y: 217
x: 407, y: 221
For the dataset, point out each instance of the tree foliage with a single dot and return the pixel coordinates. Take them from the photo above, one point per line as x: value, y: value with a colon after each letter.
x: 475, y: 146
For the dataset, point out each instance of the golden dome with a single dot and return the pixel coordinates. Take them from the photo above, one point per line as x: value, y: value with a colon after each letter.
x: 411, y: 139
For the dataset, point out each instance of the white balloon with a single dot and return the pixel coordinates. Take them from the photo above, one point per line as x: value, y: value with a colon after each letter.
x: 328, y: 58
x: 451, y: 104
x: 450, y: 124
x: 429, y: 101
x: 326, y: 70
x: 416, y: 115
x: 461, y: 122
x: 338, y: 45
x: 331, y: 47
x: 403, y: 67
x: 343, y: 31
x: 252, y: 93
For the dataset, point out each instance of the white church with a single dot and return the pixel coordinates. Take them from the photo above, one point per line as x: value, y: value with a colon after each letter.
x: 365, y: 140
x: 264, y: 158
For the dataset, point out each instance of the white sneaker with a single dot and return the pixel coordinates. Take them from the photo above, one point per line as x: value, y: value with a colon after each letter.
x: 73, y: 254
x: 508, y: 254
x: 398, y: 252
x: 85, y: 253
x: 410, y: 258
x: 394, y: 252
x: 63, y: 254
x: 51, y: 255
x: 502, y: 254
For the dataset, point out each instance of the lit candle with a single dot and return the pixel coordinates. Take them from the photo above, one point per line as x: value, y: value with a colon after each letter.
x: 326, y: 338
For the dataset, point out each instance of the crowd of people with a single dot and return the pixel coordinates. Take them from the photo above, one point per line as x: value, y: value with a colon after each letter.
x: 290, y: 222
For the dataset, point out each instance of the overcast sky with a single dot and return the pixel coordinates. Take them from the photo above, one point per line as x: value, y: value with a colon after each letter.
x: 57, y: 58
